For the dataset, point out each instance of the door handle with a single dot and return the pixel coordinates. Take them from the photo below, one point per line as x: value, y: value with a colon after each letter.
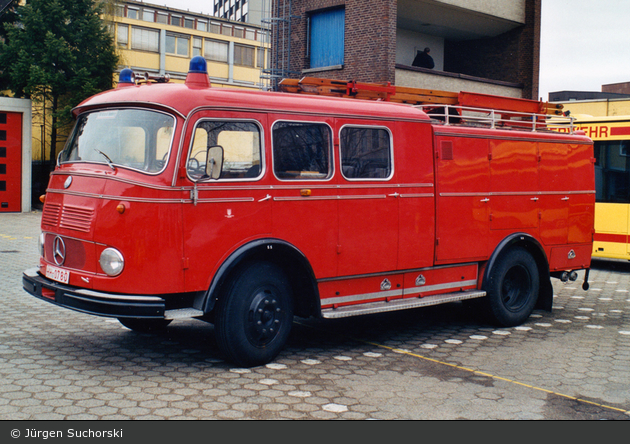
x: 267, y: 197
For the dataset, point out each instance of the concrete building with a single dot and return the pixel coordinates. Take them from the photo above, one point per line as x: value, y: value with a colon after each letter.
x: 248, y: 11
x: 162, y: 40
x: 612, y: 100
x: 488, y: 46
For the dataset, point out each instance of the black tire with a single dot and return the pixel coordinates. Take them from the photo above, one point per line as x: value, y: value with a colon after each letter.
x: 254, y: 315
x: 513, y: 286
x: 145, y: 325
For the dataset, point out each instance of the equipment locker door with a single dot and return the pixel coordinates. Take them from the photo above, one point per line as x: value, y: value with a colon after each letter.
x: 463, y: 185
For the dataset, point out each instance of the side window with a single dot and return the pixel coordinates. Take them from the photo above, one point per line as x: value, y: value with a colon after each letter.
x: 241, y: 143
x: 365, y: 153
x: 302, y: 150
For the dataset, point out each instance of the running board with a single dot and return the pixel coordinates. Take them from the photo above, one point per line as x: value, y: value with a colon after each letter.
x: 182, y: 313
x: 399, y: 304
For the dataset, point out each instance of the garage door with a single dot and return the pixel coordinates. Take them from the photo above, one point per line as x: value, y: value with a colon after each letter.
x: 10, y: 161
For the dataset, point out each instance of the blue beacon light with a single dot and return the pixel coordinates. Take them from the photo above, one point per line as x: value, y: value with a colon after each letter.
x: 198, y: 65
x: 198, y: 73
x: 127, y: 76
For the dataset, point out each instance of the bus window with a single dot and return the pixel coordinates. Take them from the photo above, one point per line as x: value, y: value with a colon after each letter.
x: 241, y: 149
x: 302, y: 150
x: 612, y: 171
x: 365, y: 153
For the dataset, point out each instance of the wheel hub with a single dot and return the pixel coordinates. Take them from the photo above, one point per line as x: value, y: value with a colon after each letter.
x: 264, y: 318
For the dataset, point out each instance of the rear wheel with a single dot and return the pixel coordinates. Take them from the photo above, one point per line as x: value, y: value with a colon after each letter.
x: 513, y: 286
x: 145, y: 325
x: 254, y: 315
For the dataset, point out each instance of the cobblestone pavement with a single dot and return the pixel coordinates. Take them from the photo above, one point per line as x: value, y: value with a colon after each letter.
x: 431, y: 363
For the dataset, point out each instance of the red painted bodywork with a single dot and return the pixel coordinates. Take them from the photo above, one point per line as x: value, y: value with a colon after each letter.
x: 455, y: 194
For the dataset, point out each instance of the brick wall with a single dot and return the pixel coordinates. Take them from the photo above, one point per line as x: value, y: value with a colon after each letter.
x: 370, y: 39
x: 370, y: 45
x: 510, y: 57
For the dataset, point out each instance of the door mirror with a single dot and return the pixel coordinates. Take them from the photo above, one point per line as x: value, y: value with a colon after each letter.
x: 214, y: 163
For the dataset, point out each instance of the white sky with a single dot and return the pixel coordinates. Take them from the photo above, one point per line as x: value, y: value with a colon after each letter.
x: 584, y: 43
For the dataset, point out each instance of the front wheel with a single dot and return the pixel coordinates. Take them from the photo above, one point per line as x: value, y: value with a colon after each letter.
x: 254, y: 315
x: 513, y: 286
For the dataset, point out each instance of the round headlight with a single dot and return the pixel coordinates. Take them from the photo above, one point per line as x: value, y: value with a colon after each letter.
x: 112, y: 261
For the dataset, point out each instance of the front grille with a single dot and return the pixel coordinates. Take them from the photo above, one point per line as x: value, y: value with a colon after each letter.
x: 76, y: 218
x: 50, y: 216
x: 70, y: 217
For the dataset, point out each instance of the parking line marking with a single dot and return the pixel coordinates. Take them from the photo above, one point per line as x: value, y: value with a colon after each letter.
x: 489, y: 375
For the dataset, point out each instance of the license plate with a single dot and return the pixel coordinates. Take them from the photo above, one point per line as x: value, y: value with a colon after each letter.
x: 57, y: 274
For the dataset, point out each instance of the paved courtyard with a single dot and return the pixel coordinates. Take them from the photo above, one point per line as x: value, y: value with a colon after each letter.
x: 436, y: 363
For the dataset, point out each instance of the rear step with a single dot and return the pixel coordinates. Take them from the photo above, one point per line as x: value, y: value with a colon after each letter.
x: 400, y: 304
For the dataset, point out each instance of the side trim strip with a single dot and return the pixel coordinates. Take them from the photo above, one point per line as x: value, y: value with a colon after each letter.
x: 393, y: 293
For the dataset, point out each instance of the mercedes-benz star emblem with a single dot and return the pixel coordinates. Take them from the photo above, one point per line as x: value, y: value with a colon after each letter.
x: 59, y: 251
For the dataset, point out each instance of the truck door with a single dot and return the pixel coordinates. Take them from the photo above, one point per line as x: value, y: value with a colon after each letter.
x: 305, y: 196
x: 368, y: 199
x: 222, y: 214
x: 463, y: 184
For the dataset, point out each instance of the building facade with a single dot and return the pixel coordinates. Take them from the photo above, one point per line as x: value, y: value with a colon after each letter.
x: 248, y: 11
x: 162, y: 40
x: 488, y: 46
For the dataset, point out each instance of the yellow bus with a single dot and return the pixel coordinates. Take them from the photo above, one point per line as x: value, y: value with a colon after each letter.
x: 611, y: 137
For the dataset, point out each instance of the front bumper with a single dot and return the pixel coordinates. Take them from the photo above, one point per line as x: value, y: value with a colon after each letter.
x: 92, y: 302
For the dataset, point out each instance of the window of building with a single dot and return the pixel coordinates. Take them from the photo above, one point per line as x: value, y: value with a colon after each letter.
x: 250, y: 34
x: 196, y: 46
x: 148, y: 15
x: 177, y: 44
x: 176, y: 20
x: 122, y: 36
x: 327, y: 38
x: 119, y: 11
x: 189, y: 23
x: 243, y: 55
x: 241, y: 145
x: 365, y: 153
x: 216, y: 50
x: 202, y: 26
x: 144, y: 39
x: 162, y: 18
x: 132, y: 13
x: 302, y: 150
x: 215, y: 28
x: 226, y: 30
x: 239, y: 32
x: 260, y: 57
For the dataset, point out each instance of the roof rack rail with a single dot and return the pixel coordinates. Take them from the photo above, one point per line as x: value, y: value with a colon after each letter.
x: 448, y: 107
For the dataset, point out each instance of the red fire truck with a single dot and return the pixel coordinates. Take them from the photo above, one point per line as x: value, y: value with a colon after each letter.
x: 247, y: 208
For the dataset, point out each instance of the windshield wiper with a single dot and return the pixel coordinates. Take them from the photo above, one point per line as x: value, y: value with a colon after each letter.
x: 109, y: 161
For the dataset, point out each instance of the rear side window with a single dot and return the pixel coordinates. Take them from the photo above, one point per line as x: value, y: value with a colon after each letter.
x: 365, y: 153
x: 302, y: 150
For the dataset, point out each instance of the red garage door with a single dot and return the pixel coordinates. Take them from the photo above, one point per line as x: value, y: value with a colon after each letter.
x: 10, y: 162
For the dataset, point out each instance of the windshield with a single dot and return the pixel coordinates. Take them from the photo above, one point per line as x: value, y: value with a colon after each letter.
x: 133, y: 138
